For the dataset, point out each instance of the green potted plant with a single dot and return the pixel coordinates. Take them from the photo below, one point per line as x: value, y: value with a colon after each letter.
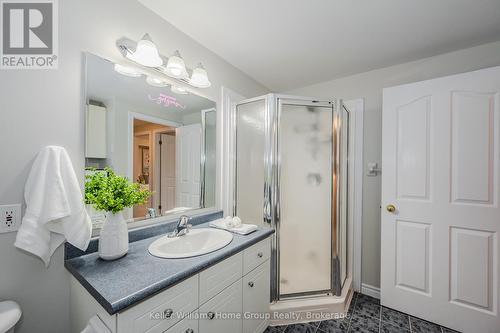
x: 111, y: 193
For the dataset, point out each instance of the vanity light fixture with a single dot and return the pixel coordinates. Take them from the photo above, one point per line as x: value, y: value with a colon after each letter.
x: 127, y: 70
x: 146, y: 53
x: 176, y: 67
x: 156, y: 82
x: 178, y: 90
x: 199, y: 78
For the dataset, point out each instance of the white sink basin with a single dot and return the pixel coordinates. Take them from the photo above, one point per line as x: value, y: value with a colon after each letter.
x: 195, y: 243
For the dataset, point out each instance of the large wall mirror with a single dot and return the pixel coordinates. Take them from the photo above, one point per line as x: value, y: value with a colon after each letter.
x: 157, y: 135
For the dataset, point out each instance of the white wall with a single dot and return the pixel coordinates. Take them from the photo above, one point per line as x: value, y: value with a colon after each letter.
x: 43, y: 107
x: 369, y: 86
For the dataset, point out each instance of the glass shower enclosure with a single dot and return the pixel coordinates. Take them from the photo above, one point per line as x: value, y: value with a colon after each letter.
x: 291, y: 174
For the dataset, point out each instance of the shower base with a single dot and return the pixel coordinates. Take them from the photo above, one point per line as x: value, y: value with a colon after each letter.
x: 311, y: 308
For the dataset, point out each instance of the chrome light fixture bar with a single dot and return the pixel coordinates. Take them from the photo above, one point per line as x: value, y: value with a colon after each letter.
x: 145, y: 53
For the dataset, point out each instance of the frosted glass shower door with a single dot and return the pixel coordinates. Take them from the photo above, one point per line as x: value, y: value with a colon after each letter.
x: 209, y: 158
x: 343, y: 127
x: 305, y: 198
x: 251, y: 155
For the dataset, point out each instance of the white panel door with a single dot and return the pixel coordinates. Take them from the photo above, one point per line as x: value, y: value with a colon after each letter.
x: 440, y: 162
x: 188, y: 156
x: 167, y: 172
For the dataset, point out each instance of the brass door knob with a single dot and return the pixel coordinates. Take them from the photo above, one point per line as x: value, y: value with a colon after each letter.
x: 391, y: 208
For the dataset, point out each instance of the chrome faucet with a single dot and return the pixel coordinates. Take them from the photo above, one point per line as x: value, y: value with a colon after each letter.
x: 182, y: 227
x: 151, y: 213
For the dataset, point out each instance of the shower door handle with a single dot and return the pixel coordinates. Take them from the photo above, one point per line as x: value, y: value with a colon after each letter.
x: 267, y: 204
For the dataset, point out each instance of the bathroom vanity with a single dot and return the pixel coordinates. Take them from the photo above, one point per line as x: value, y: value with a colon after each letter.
x: 227, y: 290
x: 172, y: 154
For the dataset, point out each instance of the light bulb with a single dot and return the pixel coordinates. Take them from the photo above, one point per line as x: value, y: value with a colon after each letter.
x: 156, y: 82
x: 146, y: 53
x: 199, y: 78
x: 127, y: 70
x: 178, y: 90
x: 176, y: 66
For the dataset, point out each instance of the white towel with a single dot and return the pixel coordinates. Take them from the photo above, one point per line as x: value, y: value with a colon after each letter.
x: 242, y: 229
x: 55, y: 209
x: 95, y: 325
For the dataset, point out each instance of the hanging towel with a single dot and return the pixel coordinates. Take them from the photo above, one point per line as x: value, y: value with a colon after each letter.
x: 95, y: 325
x: 55, y: 209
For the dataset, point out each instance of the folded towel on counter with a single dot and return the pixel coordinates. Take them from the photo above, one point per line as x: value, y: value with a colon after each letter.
x: 55, y: 209
x: 95, y: 325
x: 232, y: 222
x: 226, y: 224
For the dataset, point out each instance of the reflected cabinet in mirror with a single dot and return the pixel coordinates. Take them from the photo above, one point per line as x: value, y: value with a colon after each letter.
x: 155, y: 134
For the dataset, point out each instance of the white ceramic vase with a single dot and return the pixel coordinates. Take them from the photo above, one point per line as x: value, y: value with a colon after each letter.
x: 113, y: 240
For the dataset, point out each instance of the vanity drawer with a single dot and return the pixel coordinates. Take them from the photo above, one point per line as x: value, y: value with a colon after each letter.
x: 186, y: 325
x: 218, y: 277
x: 222, y: 314
x: 160, y: 312
x: 256, y: 255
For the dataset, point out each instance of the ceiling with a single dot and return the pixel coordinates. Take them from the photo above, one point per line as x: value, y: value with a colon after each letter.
x: 286, y: 44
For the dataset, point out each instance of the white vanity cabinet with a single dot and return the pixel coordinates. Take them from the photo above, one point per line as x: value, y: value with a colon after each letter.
x: 231, y: 296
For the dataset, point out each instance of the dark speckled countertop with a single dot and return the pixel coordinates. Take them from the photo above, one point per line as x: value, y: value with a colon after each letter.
x: 119, y: 284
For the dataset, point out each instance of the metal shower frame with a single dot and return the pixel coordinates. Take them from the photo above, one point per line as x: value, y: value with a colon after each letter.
x: 272, y: 167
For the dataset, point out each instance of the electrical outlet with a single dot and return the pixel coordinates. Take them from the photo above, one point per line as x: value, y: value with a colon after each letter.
x: 10, y: 218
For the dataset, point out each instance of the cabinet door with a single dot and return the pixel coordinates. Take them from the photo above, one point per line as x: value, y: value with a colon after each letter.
x: 95, y: 132
x: 256, y: 295
x: 223, y: 312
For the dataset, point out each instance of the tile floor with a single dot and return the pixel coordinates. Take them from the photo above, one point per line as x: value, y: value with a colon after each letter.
x: 366, y: 315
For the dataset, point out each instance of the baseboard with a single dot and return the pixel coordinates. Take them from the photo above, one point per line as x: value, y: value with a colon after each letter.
x: 370, y: 290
